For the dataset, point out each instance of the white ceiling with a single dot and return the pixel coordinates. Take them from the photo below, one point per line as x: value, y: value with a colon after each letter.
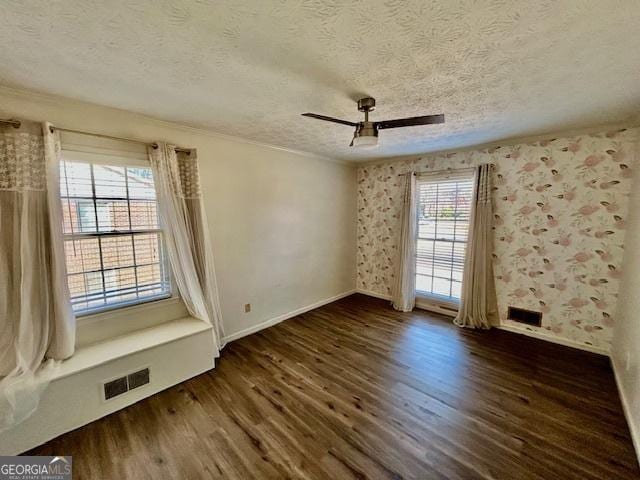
x: 495, y: 68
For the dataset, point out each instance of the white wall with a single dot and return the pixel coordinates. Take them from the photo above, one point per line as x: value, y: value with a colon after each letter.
x: 284, y: 240
x: 625, y: 351
x: 283, y: 223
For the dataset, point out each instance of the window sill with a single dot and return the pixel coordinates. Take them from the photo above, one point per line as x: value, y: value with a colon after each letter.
x: 122, y: 306
x: 437, y: 304
x: 103, y: 326
x: 90, y: 356
x: 437, y: 300
x: 107, y: 313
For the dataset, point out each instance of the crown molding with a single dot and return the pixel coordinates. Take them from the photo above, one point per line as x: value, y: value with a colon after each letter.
x: 61, y: 101
x: 510, y: 141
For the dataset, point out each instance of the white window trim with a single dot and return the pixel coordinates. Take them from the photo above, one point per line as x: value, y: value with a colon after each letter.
x: 91, y: 312
x: 430, y: 300
x: 113, y: 306
x: 437, y: 299
x: 132, y: 309
x: 102, y: 326
x: 115, y: 320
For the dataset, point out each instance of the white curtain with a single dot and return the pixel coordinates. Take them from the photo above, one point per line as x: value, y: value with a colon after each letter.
x: 186, y: 233
x: 404, y: 288
x: 478, y: 305
x: 36, y: 319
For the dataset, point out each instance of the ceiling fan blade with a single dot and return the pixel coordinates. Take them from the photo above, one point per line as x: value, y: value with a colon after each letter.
x: 411, y: 121
x: 330, y: 119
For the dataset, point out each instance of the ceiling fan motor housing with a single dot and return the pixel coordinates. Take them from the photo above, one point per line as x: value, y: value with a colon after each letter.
x: 367, y: 104
x: 366, y: 129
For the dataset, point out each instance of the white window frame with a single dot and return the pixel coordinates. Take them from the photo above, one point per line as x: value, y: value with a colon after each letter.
x: 108, y: 156
x: 461, y: 174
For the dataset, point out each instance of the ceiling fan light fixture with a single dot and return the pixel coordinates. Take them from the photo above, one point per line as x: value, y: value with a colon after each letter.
x: 365, y: 142
x: 366, y: 134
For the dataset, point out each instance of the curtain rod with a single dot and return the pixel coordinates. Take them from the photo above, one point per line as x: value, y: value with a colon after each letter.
x: 13, y: 123
x: 124, y: 139
x: 17, y: 123
x: 433, y: 172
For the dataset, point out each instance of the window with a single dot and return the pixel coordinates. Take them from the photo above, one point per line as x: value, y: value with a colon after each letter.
x: 444, y: 205
x: 112, y: 240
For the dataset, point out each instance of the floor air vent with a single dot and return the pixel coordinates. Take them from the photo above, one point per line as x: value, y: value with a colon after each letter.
x: 121, y: 385
x: 528, y: 317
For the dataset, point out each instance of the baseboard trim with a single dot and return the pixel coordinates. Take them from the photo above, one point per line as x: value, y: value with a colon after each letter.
x: 509, y: 328
x: 435, y: 308
x: 421, y: 303
x: 626, y: 408
x: 281, y: 318
x: 552, y: 339
x: 373, y: 294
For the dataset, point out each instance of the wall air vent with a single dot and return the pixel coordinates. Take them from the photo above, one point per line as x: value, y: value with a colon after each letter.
x: 528, y: 317
x: 118, y: 386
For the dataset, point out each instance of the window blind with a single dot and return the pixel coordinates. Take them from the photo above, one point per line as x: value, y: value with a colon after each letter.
x: 444, y: 207
x: 113, y: 242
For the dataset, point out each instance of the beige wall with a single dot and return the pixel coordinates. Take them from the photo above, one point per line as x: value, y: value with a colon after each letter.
x: 625, y: 351
x: 282, y: 222
x: 560, y: 220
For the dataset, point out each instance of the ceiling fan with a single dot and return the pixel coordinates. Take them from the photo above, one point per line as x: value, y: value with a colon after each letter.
x: 366, y: 133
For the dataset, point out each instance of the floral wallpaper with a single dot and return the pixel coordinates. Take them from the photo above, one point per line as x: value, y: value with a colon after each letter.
x: 560, y: 208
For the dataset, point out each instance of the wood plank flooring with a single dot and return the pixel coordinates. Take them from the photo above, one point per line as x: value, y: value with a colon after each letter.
x: 357, y: 390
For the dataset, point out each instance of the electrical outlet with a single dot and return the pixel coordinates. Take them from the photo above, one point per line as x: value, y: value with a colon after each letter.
x: 247, y: 307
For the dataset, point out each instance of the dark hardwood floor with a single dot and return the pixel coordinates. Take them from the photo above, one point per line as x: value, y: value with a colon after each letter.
x: 357, y: 390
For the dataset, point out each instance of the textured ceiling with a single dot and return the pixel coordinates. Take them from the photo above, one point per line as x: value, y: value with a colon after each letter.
x: 496, y: 68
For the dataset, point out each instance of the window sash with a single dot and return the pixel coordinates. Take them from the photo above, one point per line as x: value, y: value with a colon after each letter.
x: 444, y: 207
x: 128, y: 286
x: 111, y: 233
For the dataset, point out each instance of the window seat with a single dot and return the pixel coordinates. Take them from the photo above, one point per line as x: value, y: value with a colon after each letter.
x: 74, y: 396
x: 90, y: 356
